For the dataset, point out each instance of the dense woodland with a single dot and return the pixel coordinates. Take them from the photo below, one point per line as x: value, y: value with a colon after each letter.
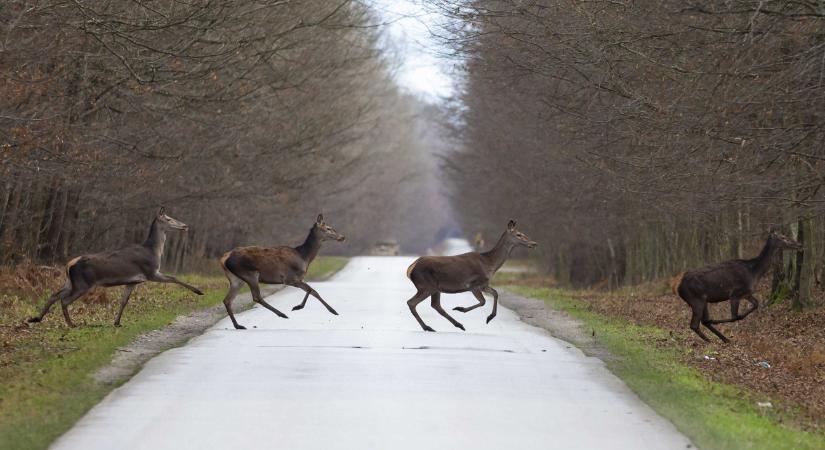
x: 637, y: 139
x: 632, y: 139
x: 245, y: 119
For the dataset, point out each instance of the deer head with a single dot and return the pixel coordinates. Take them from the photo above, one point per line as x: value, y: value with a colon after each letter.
x: 517, y: 237
x: 168, y: 222
x: 782, y: 242
x: 327, y: 232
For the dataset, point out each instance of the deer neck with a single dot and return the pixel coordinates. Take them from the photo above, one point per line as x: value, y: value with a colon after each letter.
x: 762, y: 263
x: 497, y: 255
x: 156, y: 239
x: 312, y: 244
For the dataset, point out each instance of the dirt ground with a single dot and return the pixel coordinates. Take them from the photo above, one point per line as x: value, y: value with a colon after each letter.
x: 775, y: 352
x: 558, y: 323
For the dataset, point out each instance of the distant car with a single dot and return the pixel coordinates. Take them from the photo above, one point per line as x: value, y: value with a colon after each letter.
x: 387, y: 247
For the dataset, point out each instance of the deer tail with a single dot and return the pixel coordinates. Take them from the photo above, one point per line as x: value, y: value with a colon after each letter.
x: 223, y: 264
x: 69, y: 265
x: 675, y: 282
x: 410, y: 269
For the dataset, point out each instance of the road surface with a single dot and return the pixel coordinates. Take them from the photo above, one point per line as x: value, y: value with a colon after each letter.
x: 371, y: 379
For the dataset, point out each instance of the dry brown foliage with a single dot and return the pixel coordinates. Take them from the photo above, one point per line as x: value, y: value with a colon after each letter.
x: 791, y: 342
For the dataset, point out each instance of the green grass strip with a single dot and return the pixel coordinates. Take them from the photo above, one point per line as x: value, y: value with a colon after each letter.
x: 715, y: 416
x: 47, y: 386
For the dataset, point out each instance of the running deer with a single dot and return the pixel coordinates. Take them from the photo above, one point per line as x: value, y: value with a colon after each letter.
x: 732, y: 280
x: 472, y: 272
x: 275, y: 265
x: 127, y: 267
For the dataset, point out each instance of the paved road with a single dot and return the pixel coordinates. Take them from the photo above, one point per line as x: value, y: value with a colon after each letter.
x: 370, y: 379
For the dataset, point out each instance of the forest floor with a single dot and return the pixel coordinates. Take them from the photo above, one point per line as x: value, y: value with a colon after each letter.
x: 50, y: 375
x: 774, y: 368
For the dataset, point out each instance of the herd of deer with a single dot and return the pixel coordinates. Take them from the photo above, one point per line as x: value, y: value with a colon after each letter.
x: 732, y: 280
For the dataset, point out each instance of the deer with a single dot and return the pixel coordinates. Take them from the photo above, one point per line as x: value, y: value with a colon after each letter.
x: 129, y: 267
x: 434, y: 275
x: 732, y: 280
x: 275, y: 265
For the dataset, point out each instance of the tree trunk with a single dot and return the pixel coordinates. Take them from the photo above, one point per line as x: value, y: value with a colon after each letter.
x: 805, y: 264
x: 8, y: 245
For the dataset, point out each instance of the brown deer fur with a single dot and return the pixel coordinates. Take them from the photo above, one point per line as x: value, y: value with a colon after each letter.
x: 128, y: 267
x: 732, y: 280
x: 275, y: 265
x: 471, y: 272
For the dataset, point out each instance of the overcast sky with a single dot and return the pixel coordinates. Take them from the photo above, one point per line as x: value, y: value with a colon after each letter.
x: 420, y: 70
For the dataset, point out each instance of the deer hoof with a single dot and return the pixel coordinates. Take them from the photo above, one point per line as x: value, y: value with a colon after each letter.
x: 460, y: 309
x: 240, y: 327
x: 428, y: 328
x: 197, y: 291
x: 34, y: 319
x: 490, y: 318
x: 116, y: 324
x: 460, y: 326
x: 333, y: 311
x: 297, y: 307
x: 282, y: 315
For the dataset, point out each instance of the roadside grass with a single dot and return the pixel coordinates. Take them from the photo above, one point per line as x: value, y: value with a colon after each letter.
x: 715, y: 416
x: 45, y: 383
x: 325, y: 266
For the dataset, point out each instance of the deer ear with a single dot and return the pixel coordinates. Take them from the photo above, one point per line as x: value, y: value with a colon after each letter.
x: 161, y: 211
x: 320, y: 218
x: 511, y: 225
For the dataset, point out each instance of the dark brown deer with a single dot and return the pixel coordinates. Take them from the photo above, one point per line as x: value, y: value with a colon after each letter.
x: 732, y: 280
x: 128, y: 267
x: 275, y: 265
x: 433, y: 275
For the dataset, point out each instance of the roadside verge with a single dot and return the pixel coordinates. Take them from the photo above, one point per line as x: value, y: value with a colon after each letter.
x: 713, y: 415
x: 51, y: 375
x: 130, y: 358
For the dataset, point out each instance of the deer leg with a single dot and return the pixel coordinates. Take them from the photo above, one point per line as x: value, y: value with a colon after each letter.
x: 234, y: 287
x: 302, y: 304
x: 754, y: 305
x: 734, y: 308
x: 65, y: 308
x: 412, y: 303
x: 312, y: 292
x: 494, y: 293
x: 162, y: 278
x: 709, y: 326
x: 734, y: 313
x: 697, y: 308
x: 481, y: 302
x: 127, y: 291
x: 435, y: 302
x: 257, y: 298
x: 55, y: 297
x: 270, y: 307
x: 67, y: 300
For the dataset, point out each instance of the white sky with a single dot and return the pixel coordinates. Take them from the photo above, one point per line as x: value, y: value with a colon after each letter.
x: 420, y: 70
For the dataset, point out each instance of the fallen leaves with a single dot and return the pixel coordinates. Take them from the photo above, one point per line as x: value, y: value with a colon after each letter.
x: 775, y: 352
